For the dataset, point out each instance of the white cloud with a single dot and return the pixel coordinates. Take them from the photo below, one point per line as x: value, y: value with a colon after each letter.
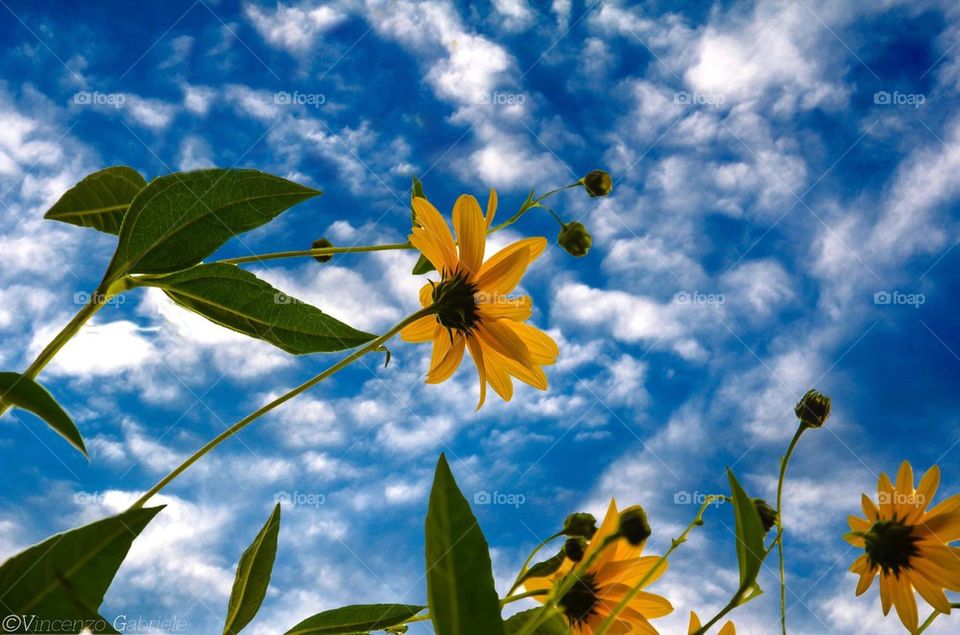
x: 294, y: 28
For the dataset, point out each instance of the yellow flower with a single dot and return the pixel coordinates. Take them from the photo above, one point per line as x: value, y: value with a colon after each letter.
x: 728, y: 628
x: 908, y: 545
x: 474, y: 310
x: 605, y: 583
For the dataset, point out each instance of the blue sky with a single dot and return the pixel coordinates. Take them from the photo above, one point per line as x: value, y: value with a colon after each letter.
x: 777, y: 166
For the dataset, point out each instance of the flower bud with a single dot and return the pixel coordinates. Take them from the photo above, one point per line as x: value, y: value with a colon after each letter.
x: 633, y: 525
x: 597, y: 183
x: 768, y: 516
x: 814, y: 409
x: 575, y: 239
x: 580, y: 524
x: 574, y: 548
x: 322, y: 243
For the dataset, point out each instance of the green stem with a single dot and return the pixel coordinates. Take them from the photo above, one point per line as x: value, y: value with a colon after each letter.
x: 526, y: 564
x: 932, y: 617
x: 240, y: 425
x: 732, y: 604
x: 320, y: 251
x: 59, y: 341
x: 674, y: 545
x: 780, y: 480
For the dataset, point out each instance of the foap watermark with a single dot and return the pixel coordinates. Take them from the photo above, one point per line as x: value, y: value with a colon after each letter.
x: 696, y: 98
x: 484, y: 497
x: 296, y: 98
x: 88, y: 498
x: 300, y: 499
x: 896, y: 98
x: 96, y: 98
x: 901, y: 498
x: 282, y: 298
x: 683, y: 497
x: 899, y: 298
x: 84, y: 298
x: 697, y: 297
x: 498, y: 98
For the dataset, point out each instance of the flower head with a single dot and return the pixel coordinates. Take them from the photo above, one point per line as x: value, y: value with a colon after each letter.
x: 575, y: 239
x: 728, y: 628
x: 597, y: 183
x: 907, y: 545
x: 813, y: 409
x: 473, y: 308
x: 606, y: 582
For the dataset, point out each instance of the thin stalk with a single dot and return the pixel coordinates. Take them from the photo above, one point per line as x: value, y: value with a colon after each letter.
x: 423, y: 617
x: 674, y: 545
x: 926, y: 624
x: 780, y: 480
x: 253, y: 416
x: 732, y: 604
x: 526, y: 564
x: 320, y: 251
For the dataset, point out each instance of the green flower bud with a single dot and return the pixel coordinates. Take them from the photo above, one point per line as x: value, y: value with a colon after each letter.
x: 597, y: 183
x: 580, y: 524
x: 574, y: 548
x: 575, y: 239
x: 322, y: 243
x: 768, y: 516
x: 633, y: 525
x: 814, y: 409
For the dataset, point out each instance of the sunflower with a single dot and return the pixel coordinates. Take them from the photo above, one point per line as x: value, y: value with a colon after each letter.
x: 908, y: 545
x: 605, y: 583
x: 474, y: 309
x: 728, y: 628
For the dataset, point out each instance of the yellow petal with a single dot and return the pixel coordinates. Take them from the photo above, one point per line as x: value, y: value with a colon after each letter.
x: 429, y: 246
x: 426, y: 294
x: 497, y: 375
x: 446, y: 358
x: 531, y: 375
x: 471, y: 232
x: 516, y: 309
x: 529, y: 249
x: 694, y: 624
x: 869, y: 508
x: 430, y: 219
x: 886, y: 496
x: 609, y: 525
x: 929, y: 591
x: 543, y: 350
x: 728, y: 629
x: 476, y: 352
x: 886, y: 592
x: 491, y: 207
x: 504, y: 340
x: 422, y: 330
x: 906, y: 602
x: 866, y: 579
x: 928, y: 486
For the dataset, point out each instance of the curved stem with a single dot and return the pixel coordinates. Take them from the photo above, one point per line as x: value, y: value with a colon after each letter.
x: 780, y: 480
x: 253, y: 416
x: 526, y: 563
x: 59, y: 341
x: 926, y: 624
x: 674, y: 544
x: 732, y: 604
x: 320, y: 251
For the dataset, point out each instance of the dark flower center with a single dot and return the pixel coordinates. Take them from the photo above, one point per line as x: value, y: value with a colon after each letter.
x: 456, y: 302
x: 890, y: 545
x: 580, y: 602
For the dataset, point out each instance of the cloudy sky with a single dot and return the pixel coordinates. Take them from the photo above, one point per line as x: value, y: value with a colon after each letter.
x: 785, y: 216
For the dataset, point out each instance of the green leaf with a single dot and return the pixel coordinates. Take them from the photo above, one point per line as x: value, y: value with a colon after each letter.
x: 66, y: 576
x: 423, y: 265
x: 460, y: 590
x: 358, y: 618
x: 545, y: 568
x: 239, y: 300
x: 100, y: 200
x: 23, y: 392
x: 750, y: 549
x: 179, y: 219
x: 253, y: 576
x: 553, y: 625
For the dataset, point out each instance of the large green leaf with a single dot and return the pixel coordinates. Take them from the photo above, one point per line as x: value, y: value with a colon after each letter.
x: 100, y: 200
x: 23, y: 392
x: 237, y: 299
x: 750, y: 549
x: 179, y: 219
x: 253, y: 576
x: 460, y: 589
x: 66, y: 576
x: 553, y: 625
x: 358, y: 618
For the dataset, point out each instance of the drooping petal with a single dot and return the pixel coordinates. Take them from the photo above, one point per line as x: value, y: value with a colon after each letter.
x: 630, y: 572
x: 504, y: 340
x: 423, y: 330
x: 432, y: 222
x: 531, y: 375
x: 932, y: 593
x: 866, y: 579
x: 497, y: 374
x: 471, y: 232
x: 943, y: 521
x: 476, y: 352
x: 906, y: 603
x: 446, y: 357
x: 543, y: 350
x: 886, y: 592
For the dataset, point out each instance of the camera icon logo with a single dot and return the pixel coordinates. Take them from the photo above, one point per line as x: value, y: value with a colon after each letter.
x: 682, y: 498
x: 882, y: 297
x: 881, y: 97
x: 482, y: 498
x: 681, y: 97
